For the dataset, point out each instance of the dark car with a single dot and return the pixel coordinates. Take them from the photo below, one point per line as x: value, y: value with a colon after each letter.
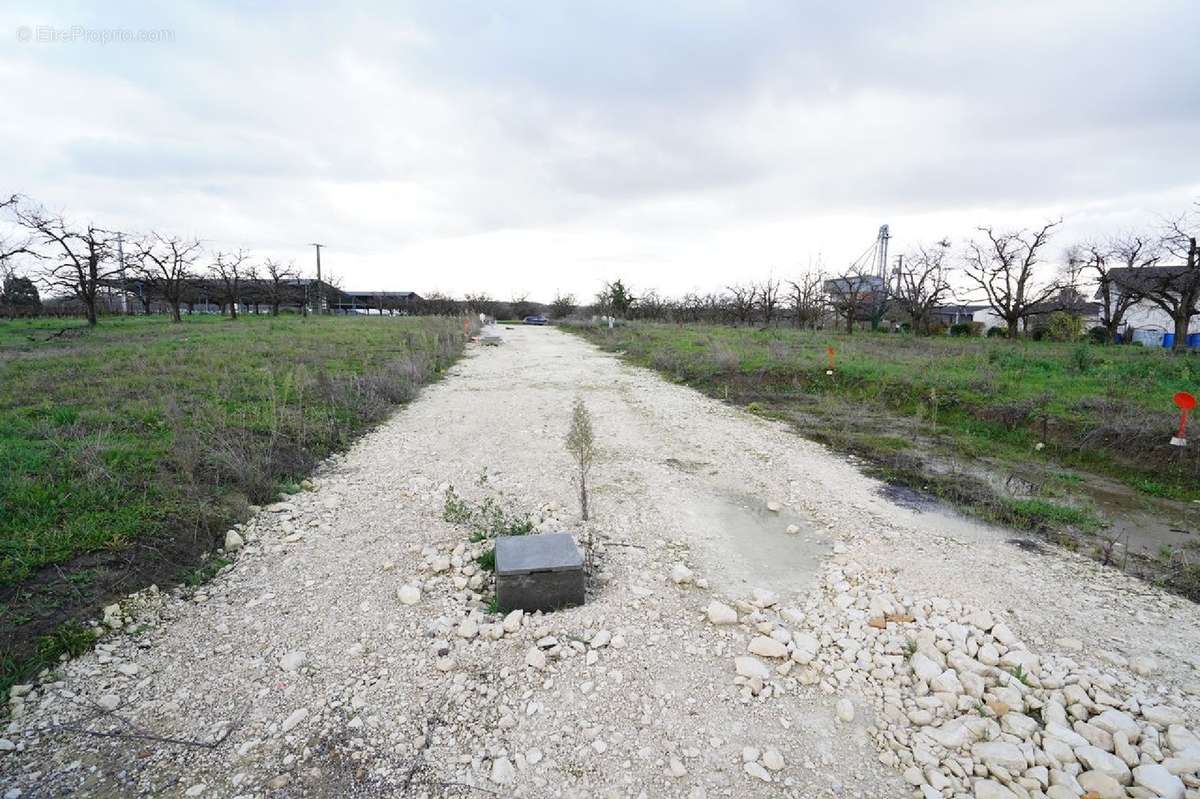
x: 536, y: 319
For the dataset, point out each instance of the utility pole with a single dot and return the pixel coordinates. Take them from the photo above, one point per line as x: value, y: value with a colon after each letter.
x: 320, y: 294
x: 121, y: 261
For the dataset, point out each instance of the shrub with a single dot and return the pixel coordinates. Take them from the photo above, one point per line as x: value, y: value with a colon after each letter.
x: 1083, y: 358
x: 723, y: 357
x: 997, y: 331
x: 1062, y: 326
x: 960, y: 329
x: 1098, y: 334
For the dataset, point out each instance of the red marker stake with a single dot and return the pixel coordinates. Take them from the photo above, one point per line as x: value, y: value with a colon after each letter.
x: 1185, y: 402
x: 829, y: 352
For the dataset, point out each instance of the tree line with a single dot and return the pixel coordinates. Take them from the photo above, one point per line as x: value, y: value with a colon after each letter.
x: 1006, y: 271
x: 88, y: 266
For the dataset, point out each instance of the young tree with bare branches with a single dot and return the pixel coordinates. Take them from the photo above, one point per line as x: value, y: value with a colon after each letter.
x: 807, y: 300
x: 769, y: 299
x: 280, y: 283
x: 229, y: 269
x: 1004, y: 266
x: 1118, y: 292
x: 166, y: 265
x: 1177, y: 291
x: 742, y: 301
x: 78, y: 261
x: 923, y: 284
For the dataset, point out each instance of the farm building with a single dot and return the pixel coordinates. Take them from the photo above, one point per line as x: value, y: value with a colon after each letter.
x: 1146, y: 321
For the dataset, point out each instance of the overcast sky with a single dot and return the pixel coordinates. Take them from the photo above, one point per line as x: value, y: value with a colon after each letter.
x: 528, y: 147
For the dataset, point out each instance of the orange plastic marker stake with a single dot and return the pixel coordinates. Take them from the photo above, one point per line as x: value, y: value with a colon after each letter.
x: 1185, y: 402
x: 830, y: 353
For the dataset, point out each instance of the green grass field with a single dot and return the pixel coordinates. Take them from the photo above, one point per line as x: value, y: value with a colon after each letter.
x: 1107, y: 410
x: 143, y: 436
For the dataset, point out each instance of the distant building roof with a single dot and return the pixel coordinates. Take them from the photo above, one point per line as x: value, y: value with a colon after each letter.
x: 853, y: 283
x: 385, y: 294
x: 961, y: 310
x: 1148, y: 278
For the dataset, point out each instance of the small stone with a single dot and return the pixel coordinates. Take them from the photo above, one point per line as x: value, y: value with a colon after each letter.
x: 720, y: 613
x: 512, y: 622
x: 792, y: 529
x: 109, y: 702
x: 195, y: 790
x: 292, y: 661
x: 681, y: 575
x: 128, y: 669
x: 503, y: 772
x: 233, y: 542
x: 751, y: 667
x: 845, y: 710
x: 468, y: 629
x: 990, y: 789
x: 1106, y: 763
x: 1143, y: 665
x: 675, y: 768
x: 535, y: 658
x: 767, y: 647
x: 440, y: 564
x: 1099, y: 784
x: 755, y: 770
x: 774, y: 507
x: 409, y: 594
x: 294, y: 719
x: 1158, y: 780
x: 773, y: 760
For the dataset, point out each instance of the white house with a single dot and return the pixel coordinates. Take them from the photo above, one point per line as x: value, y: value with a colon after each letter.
x: 1145, y: 321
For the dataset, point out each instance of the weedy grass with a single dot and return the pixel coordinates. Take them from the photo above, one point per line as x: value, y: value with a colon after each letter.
x: 1096, y: 408
x: 142, y: 431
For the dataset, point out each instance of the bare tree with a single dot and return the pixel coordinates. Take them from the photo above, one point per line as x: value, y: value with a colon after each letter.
x: 769, y: 299
x: 742, y: 302
x: 1004, y: 266
x: 857, y: 295
x: 166, y: 265
x: 280, y: 283
x: 807, y: 299
x: 923, y: 284
x: 80, y: 260
x: 563, y: 305
x: 10, y: 248
x: 650, y: 306
x: 1177, y: 291
x: 229, y: 268
x: 1128, y: 252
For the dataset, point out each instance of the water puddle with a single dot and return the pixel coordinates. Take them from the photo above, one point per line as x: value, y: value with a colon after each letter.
x: 747, y: 546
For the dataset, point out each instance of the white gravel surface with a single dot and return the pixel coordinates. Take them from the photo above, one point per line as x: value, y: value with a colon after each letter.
x: 348, y: 652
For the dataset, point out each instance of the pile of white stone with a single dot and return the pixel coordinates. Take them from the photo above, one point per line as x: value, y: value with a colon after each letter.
x: 961, y: 706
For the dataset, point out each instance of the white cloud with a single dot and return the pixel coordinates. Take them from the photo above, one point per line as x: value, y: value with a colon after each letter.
x: 542, y: 146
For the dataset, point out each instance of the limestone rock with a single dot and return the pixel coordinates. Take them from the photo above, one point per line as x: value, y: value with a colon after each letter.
x: 720, y: 613
x: 767, y: 647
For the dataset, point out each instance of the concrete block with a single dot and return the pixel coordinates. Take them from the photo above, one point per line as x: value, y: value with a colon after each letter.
x: 538, y: 572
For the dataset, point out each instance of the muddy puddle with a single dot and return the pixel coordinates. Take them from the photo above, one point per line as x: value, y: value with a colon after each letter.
x: 748, y: 546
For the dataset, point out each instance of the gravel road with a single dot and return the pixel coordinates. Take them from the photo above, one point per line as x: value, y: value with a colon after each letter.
x: 298, y: 671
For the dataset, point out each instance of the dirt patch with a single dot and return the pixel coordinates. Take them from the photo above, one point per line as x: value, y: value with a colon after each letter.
x: 72, y: 591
